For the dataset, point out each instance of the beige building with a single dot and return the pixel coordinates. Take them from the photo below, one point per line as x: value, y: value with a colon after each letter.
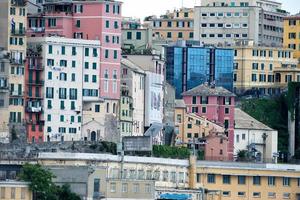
x: 191, y: 126
x: 15, y: 190
x: 266, y: 69
x: 12, y: 39
x: 173, y: 26
x: 219, y: 180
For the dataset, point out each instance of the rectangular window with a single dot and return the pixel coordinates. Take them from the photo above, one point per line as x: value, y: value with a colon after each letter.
x: 211, y: 178
x: 107, y: 24
x: 256, y: 194
x: 115, y: 54
x: 96, y: 185
x: 286, y: 195
x: 286, y: 181
x: 50, y: 49
x: 86, y: 51
x: 138, y: 35
x: 124, y: 187
x: 226, y: 179
x: 256, y: 180
x: 226, y: 193
x: 63, y: 50
x: 271, y: 181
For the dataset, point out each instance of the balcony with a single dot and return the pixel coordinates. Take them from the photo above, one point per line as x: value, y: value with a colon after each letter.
x: 16, y: 93
x: 4, y: 88
x: 36, y: 67
x: 37, y: 29
x: 20, y: 32
x: 15, y: 61
x: 33, y: 109
x: 18, y: 3
x: 35, y: 82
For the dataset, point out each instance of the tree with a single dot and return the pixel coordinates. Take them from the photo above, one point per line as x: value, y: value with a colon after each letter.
x: 42, y: 186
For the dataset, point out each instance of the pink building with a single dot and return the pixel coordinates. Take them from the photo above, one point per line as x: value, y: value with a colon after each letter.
x: 216, y: 147
x: 216, y: 104
x: 86, y: 19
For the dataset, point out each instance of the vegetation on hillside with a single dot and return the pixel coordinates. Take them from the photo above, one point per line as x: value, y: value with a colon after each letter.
x: 171, y: 152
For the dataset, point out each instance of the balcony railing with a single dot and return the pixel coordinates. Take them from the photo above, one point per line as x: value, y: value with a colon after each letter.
x: 16, y: 93
x: 33, y: 109
x: 35, y: 82
x: 4, y: 88
x: 38, y: 29
x: 18, y: 2
x: 16, y: 61
x: 18, y: 32
x: 36, y: 67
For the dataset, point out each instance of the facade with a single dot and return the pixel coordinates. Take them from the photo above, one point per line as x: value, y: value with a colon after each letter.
x: 4, y: 96
x: 189, y: 66
x: 153, y: 66
x: 173, y: 26
x: 291, y: 34
x: 217, y: 105
x: 133, y: 78
x: 15, y: 190
x: 62, y: 76
x: 255, y: 137
x: 126, y: 110
x: 13, y: 40
x: 218, y: 180
x: 224, y: 22
x: 266, y: 69
x: 91, y: 20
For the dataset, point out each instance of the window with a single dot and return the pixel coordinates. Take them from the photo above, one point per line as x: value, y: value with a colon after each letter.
x: 106, y: 53
x: 286, y: 195
x: 136, y: 187
x: 226, y: 179
x: 241, y: 194
x: 180, y: 35
x: 253, y: 78
x: 49, y: 75
x: 96, y: 185
x: 271, y: 194
x: 107, y: 8
x: 211, y: 178
x: 49, y: 118
x: 12, y: 193
x: 203, y: 109
x: 107, y: 24
x: 178, y: 118
x: 86, y: 78
x: 226, y: 110
x: 52, y: 22
x: 73, y: 77
x: 226, y: 193
x: 189, y: 135
x: 256, y: 180
x: 73, y: 63
x: 116, y: 25
x: 63, y: 50
x: 74, y: 51
x: 115, y: 54
x: 194, y: 100
x: 286, y: 181
x: 256, y: 194
x: 271, y: 180
x: 124, y: 187
x: 138, y: 35
x: 112, y: 187
x: 86, y: 51
x: 50, y: 49
x: 169, y: 35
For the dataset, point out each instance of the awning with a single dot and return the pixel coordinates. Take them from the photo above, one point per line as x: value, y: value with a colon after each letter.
x: 176, y: 196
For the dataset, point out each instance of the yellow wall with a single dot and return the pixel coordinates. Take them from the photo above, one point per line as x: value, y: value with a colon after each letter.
x: 21, y: 192
x: 249, y: 188
x: 292, y: 29
x: 244, y: 59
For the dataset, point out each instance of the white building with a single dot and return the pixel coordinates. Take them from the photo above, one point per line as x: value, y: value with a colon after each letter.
x: 250, y: 133
x: 223, y: 22
x: 153, y: 65
x: 71, y: 77
x: 134, y: 78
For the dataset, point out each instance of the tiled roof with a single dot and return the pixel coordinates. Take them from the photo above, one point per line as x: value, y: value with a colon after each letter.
x: 245, y: 121
x: 179, y: 103
x: 205, y: 90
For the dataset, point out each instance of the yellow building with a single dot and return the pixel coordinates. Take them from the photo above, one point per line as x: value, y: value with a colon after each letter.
x: 266, y: 69
x: 191, y: 126
x: 173, y: 26
x: 13, y: 39
x: 15, y: 190
x: 291, y: 31
x: 248, y: 180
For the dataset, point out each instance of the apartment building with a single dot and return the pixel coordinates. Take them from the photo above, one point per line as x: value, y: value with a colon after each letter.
x: 61, y: 77
x: 12, y: 39
x: 217, y: 105
x: 264, y: 69
x: 291, y: 31
x: 255, y: 137
x: 223, y: 22
x: 133, y: 78
x: 4, y: 96
x: 172, y: 26
x: 248, y: 181
x: 11, y: 189
x: 126, y: 109
x: 217, y: 180
x: 90, y: 20
x: 189, y: 64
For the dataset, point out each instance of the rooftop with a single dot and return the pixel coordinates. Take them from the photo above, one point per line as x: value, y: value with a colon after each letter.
x: 245, y: 121
x: 179, y: 103
x: 133, y: 66
x: 206, y: 90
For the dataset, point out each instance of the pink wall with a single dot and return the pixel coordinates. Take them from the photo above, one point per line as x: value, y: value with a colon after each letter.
x: 93, y: 26
x: 215, y: 149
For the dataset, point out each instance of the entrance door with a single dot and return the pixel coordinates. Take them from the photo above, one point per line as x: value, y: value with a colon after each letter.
x: 93, y: 136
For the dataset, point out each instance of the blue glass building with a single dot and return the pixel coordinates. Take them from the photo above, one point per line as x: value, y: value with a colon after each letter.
x: 190, y: 66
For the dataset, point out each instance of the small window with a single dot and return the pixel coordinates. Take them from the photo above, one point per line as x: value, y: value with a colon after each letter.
x: 256, y: 194
x: 226, y: 193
